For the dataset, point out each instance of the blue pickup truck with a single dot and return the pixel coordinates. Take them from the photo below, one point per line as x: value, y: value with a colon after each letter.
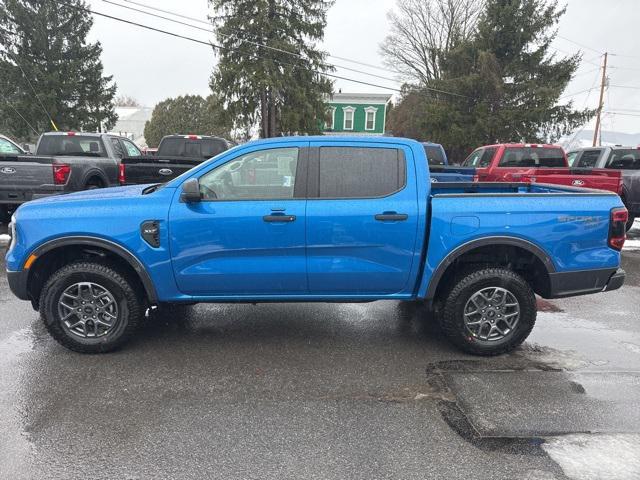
x: 440, y: 169
x: 324, y: 219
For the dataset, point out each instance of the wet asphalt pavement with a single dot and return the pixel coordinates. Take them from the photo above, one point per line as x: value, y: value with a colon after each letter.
x: 327, y: 391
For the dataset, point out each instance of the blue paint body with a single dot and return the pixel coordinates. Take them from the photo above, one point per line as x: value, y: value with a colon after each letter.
x: 334, y: 250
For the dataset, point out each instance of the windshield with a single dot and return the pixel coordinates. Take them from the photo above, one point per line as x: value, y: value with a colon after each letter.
x: 624, y: 159
x: 434, y: 154
x: 72, y: 145
x: 535, y: 157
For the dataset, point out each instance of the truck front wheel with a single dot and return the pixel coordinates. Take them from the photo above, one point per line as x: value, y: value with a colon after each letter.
x: 489, y: 311
x: 90, y: 307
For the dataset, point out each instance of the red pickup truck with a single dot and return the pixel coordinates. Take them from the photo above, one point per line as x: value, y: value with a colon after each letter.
x: 519, y: 162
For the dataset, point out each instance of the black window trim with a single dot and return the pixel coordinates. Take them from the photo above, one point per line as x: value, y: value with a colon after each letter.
x: 300, y: 182
x: 313, y: 177
x: 124, y: 148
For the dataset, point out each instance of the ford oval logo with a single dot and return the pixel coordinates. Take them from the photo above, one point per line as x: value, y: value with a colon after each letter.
x: 7, y: 170
x: 165, y: 171
x: 578, y: 183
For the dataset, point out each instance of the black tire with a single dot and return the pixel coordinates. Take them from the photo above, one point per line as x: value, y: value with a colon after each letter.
x: 93, y: 184
x: 128, y: 304
x: 630, y: 222
x: 452, y: 319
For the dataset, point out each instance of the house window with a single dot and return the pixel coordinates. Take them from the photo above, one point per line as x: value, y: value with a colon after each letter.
x: 331, y: 118
x: 370, y: 118
x: 348, y: 118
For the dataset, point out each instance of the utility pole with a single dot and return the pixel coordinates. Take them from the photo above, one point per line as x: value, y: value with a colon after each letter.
x: 603, y: 84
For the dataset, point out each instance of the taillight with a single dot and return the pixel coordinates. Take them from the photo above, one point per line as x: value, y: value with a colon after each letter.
x: 122, y: 178
x: 618, y: 227
x: 61, y: 174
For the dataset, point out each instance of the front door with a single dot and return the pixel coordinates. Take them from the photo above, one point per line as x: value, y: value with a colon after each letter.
x: 247, y: 235
x: 362, y: 218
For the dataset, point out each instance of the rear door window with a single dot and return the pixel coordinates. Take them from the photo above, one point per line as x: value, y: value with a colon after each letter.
x: 173, y: 147
x: 212, y: 147
x: 534, y: 157
x: 480, y: 158
x: 588, y: 159
x: 357, y: 172
x: 117, y: 148
x: 434, y: 154
x: 624, y: 159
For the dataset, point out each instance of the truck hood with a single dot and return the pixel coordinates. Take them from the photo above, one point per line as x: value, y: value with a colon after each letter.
x: 96, y: 194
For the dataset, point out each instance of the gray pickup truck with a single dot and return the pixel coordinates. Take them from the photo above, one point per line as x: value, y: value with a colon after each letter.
x: 624, y: 159
x: 63, y: 162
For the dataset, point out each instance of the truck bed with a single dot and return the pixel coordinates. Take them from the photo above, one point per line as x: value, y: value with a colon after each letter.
x: 510, y: 188
x: 25, y: 177
x: 154, y: 169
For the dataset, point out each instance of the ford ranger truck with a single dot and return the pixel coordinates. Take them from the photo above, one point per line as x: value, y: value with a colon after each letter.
x: 314, y: 219
x: 626, y: 160
x: 511, y: 162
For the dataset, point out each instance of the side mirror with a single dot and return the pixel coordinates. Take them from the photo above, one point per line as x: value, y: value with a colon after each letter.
x: 26, y: 147
x: 191, y: 191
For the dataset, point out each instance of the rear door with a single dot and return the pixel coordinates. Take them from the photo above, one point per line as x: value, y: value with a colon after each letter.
x: 362, y: 217
x: 246, y: 238
x: 516, y: 160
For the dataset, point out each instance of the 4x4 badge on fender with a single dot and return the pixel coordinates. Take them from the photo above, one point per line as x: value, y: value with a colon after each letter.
x: 7, y: 170
x: 165, y: 171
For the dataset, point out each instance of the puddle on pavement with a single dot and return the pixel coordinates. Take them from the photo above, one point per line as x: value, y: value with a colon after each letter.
x: 15, y: 446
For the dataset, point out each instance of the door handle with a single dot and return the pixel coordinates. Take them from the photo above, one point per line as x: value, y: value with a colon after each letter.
x: 391, y: 217
x: 279, y: 218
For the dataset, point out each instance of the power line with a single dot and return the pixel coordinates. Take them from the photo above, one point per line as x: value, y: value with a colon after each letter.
x: 632, y: 87
x: 212, y: 45
x: 268, y: 47
x: 577, y: 93
x: 38, y: 97
x: 580, y: 44
x: 20, y: 115
x: 199, y: 20
x: 610, y: 112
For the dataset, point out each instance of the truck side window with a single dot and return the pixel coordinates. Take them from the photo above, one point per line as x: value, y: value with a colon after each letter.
x: 264, y: 174
x: 117, y: 147
x: 7, y: 147
x: 624, y: 159
x: 588, y: 159
x: 132, y: 150
x: 357, y: 172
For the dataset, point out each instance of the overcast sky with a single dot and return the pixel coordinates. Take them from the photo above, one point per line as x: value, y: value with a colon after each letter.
x: 151, y: 66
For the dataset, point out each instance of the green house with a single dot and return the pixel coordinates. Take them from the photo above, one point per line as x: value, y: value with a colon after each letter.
x: 357, y: 114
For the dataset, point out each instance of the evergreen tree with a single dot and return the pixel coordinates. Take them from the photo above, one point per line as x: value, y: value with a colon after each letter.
x: 281, y: 91
x: 48, y: 42
x: 190, y: 114
x: 510, y: 81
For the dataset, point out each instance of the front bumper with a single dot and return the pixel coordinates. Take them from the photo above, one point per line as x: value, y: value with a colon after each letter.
x: 18, y: 283
x: 584, y: 282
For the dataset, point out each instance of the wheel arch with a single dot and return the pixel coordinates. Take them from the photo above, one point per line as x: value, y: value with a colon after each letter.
x: 94, y: 173
x: 78, y: 246
x: 499, y: 248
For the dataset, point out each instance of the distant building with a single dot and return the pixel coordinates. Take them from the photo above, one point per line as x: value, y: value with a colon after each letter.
x: 357, y: 114
x: 130, y: 124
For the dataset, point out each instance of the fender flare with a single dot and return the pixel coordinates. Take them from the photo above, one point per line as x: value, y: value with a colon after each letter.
x: 112, y: 247
x: 483, y: 242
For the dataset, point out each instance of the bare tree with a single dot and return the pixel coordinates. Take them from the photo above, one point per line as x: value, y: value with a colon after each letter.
x: 421, y: 30
x: 126, y: 101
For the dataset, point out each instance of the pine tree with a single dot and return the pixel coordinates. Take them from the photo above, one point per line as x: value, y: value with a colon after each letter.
x: 510, y: 80
x: 187, y: 114
x: 281, y: 91
x: 48, y: 42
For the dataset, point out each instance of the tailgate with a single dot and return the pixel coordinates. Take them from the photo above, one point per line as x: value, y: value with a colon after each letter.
x: 22, y: 171
x: 598, y: 178
x: 141, y: 170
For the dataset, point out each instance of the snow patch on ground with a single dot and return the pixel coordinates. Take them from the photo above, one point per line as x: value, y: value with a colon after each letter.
x: 597, y: 457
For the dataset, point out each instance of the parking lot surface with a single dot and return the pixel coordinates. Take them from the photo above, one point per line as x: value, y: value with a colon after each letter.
x: 327, y: 391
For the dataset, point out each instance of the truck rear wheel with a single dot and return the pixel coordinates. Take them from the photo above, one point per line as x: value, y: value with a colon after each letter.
x: 630, y: 222
x: 489, y: 311
x: 90, y: 307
